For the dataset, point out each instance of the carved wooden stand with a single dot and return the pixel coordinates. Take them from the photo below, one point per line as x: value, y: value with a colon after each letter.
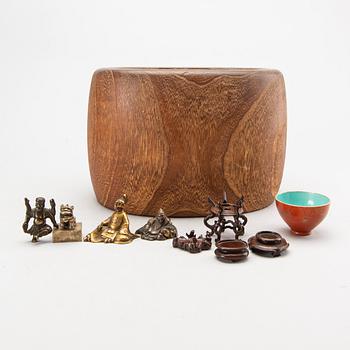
x: 219, y: 213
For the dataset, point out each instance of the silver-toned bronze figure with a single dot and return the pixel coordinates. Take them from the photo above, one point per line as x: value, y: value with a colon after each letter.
x: 158, y: 228
x: 39, y: 214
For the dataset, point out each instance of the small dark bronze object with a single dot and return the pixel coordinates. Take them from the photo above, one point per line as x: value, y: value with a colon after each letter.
x: 231, y: 250
x: 219, y: 211
x: 192, y: 243
x: 158, y: 228
x: 39, y: 214
x: 268, y: 243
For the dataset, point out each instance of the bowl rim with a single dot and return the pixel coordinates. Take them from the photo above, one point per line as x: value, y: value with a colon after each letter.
x: 303, y: 206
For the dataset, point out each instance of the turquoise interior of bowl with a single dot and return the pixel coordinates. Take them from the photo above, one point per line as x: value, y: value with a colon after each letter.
x: 303, y: 199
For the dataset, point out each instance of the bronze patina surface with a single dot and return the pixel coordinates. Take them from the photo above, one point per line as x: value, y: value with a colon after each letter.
x: 115, y: 229
x: 192, y: 243
x: 39, y: 214
x: 67, y: 219
x: 158, y: 228
x: 69, y: 230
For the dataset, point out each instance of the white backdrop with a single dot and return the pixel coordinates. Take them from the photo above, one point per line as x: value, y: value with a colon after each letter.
x: 147, y: 294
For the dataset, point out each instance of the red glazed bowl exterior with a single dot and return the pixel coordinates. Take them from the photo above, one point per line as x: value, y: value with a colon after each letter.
x: 300, y: 219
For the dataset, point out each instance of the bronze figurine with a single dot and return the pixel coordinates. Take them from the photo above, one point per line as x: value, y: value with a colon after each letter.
x: 192, y: 243
x: 39, y: 214
x: 115, y: 229
x: 268, y: 243
x: 67, y: 219
x: 158, y: 228
x: 69, y: 230
x: 219, y: 211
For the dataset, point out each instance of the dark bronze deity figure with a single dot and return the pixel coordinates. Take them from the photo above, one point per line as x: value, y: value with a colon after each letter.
x: 158, y: 228
x: 219, y: 212
x: 39, y: 214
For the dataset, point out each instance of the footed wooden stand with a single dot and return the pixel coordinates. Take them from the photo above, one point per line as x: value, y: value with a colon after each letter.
x: 75, y: 235
x: 172, y: 137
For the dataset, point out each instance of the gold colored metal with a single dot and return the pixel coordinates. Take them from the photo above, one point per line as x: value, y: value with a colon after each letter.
x: 63, y: 235
x: 115, y: 229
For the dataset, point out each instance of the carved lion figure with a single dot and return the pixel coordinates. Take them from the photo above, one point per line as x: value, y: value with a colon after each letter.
x: 67, y: 219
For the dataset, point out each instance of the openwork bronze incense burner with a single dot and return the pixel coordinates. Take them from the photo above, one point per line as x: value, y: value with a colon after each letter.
x: 218, y: 219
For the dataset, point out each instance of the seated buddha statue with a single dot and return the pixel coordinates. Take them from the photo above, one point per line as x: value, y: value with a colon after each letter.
x: 115, y: 229
x: 158, y: 228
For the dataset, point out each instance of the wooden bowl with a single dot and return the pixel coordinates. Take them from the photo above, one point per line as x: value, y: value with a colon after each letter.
x: 171, y: 137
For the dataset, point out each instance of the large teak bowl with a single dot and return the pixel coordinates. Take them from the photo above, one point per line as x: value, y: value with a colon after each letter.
x: 171, y: 137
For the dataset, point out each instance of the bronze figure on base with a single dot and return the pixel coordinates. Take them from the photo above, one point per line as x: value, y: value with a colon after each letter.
x: 69, y: 230
x: 115, y: 229
x: 39, y: 214
x: 67, y: 219
x: 158, y: 228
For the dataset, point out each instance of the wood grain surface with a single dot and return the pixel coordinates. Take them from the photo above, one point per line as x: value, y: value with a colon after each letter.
x: 171, y: 137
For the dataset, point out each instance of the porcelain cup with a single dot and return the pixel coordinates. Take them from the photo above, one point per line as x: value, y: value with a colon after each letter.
x: 302, y: 211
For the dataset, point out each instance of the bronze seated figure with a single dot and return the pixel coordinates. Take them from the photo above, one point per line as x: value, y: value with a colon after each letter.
x: 115, y: 229
x: 158, y: 228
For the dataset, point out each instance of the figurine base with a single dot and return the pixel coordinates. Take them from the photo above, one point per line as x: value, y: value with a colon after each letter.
x: 75, y: 235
